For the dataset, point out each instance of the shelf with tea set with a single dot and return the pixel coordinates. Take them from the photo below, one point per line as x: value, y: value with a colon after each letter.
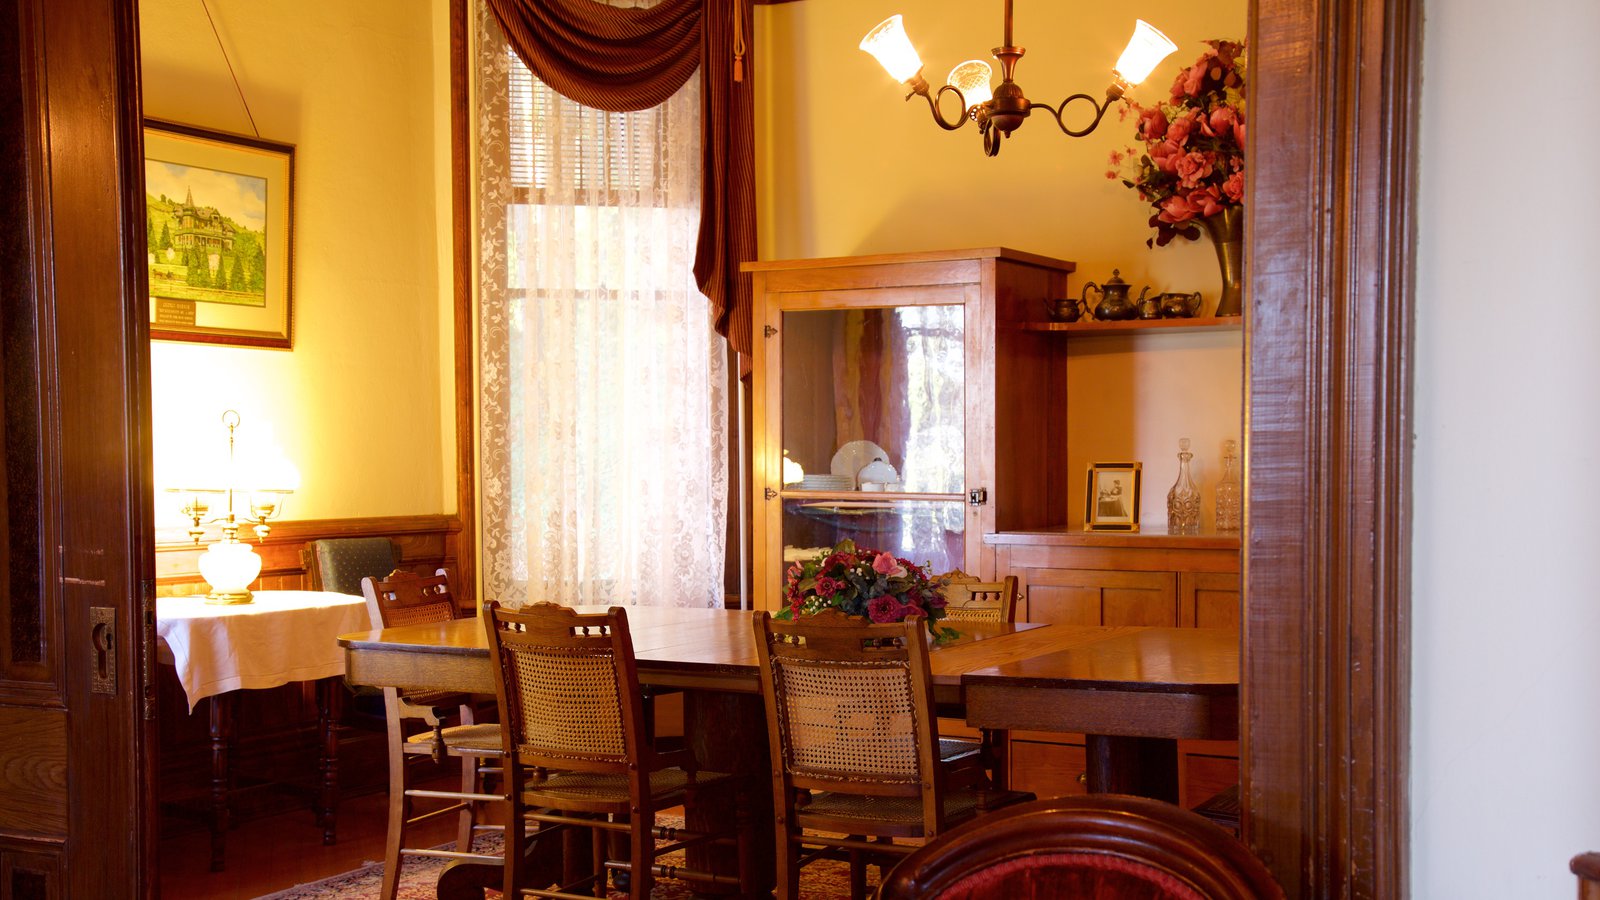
x: 1135, y: 326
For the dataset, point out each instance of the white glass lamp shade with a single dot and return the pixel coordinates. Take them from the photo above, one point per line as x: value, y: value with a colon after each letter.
x: 229, y: 567
x: 971, y: 78
x: 792, y: 472
x: 888, y: 44
x: 1145, y: 50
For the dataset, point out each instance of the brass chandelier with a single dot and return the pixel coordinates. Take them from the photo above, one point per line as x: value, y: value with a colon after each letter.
x: 1000, y: 111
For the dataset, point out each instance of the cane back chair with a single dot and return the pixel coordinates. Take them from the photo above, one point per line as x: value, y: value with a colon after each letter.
x: 969, y: 600
x: 578, y: 754
x: 404, y: 598
x: 854, y: 743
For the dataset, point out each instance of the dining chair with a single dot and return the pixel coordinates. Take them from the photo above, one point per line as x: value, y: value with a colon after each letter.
x: 1587, y: 867
x: 578, y: 755
x: 339, y: 564
x: 1101, y: 845
x: 404, y: 598
x: 969, y: 600
x: 854, y: 743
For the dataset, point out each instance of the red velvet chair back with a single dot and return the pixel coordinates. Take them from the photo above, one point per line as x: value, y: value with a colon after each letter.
x: 1098, y: 847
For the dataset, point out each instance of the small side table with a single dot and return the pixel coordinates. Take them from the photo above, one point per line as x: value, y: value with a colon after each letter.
x: 281, y: 637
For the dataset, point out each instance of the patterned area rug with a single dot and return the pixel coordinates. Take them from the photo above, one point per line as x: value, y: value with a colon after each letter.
x: 822, y: 880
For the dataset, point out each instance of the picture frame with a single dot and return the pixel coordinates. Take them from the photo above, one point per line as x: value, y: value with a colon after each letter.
x: 219, y: 216
x: 1111, y: 500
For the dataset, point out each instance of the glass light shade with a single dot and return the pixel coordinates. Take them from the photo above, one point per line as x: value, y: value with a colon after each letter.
x: 889, y: 45
x: 229, y: 567
x: 792, y: 472
x: 1145, y: 50
x: 971, y: 78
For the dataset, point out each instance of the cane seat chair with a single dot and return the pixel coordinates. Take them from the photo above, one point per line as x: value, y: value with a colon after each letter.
x: 969, y: 600
x: 1101, y: 845
x: 408, y: 599
x: 578, y: 755
x: 854, y: 743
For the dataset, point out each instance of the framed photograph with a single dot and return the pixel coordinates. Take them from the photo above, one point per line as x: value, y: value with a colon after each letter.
x: 1112, y: 501
x: 219, y: 214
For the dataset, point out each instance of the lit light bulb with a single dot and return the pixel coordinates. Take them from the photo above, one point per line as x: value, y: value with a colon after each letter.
x: 1145, y: 50
x: 971, y: 78
x: 887, y: 43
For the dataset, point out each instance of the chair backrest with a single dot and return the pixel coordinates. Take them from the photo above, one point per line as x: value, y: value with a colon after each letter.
x: 1101, y: 845
x: 339, y: 564
x: 1587, y: 867
x: 850, y: 707
x: 968, y: 599
x: 568, y: 687
x: 405, y: 598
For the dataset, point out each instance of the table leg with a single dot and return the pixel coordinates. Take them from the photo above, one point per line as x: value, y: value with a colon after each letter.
x: 220, y: 707
x: 330, y: 691
x: 709, y: 717
x: 1147, y: 767
x: 466, y: 879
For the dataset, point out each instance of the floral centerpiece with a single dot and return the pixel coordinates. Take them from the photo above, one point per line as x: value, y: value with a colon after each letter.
x: 869, y: 583
x: 1192, y: 165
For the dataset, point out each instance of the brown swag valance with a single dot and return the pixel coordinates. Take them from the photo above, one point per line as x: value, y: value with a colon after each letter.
x: 623, y: 60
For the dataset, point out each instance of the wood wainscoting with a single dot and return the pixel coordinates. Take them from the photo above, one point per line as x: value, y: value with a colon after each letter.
x: 275, y: 739
x: 426, y: 543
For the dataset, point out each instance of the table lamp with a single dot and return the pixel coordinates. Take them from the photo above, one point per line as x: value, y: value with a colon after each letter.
x: 230, y: 565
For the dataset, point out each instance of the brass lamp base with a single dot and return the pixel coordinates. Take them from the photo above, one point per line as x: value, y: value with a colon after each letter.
x: 229, y: 598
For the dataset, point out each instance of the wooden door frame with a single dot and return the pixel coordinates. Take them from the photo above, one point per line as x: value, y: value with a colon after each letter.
x: 80, y: 220
x: 1326, y: 680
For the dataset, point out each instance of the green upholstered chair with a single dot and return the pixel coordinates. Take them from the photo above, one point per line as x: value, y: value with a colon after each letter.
x: 339, y: 564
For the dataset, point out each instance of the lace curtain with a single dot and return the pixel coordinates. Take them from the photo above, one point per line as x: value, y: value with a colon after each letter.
x: 603, y: 402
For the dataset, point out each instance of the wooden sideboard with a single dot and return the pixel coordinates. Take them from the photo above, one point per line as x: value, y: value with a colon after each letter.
x: 1075, y: 577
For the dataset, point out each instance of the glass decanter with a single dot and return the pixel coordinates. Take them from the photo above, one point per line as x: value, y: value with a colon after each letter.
x: 1230, y: 505
x: 1183, y: 501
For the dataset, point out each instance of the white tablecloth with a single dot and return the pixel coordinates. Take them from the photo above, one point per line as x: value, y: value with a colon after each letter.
x: 283, y: 636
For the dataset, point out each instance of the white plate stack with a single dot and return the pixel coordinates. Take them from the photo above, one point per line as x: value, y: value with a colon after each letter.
x: 827, y: 483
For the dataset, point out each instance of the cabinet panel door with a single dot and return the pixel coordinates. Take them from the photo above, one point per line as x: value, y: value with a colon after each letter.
x: 1209, y: 599
x: 1048, y: 769
x: 1100, y: 597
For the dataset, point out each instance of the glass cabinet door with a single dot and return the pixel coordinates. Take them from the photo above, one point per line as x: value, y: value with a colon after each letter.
x: 872, y: 429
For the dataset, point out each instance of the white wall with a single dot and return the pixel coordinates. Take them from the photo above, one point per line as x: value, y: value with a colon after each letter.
x: 362, y: 404
x: 1506, y: 597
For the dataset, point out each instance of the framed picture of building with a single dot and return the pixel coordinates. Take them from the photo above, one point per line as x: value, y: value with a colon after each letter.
x: 219, y: 214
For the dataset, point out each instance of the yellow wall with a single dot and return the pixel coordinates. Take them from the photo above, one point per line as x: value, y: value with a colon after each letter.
x: 362, y: 404
x: 845, y: 167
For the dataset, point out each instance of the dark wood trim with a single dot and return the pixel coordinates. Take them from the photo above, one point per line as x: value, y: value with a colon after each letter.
x: 465, y: 349
x: 1328, y: 356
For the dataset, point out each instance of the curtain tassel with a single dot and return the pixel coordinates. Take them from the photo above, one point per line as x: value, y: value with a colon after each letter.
x: 738, y: 40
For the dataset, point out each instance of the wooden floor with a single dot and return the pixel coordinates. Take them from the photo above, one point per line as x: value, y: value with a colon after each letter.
x: 276, y: 852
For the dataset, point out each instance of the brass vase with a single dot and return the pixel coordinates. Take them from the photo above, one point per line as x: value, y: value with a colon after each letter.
x: 1226, y: 229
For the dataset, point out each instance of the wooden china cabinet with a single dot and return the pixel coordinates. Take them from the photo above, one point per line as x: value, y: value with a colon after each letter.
x: 944, y: 367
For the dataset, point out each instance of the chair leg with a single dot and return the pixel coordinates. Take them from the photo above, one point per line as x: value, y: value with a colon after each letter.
x: 641, y: 854
x: 788, y: 865
x: 514, y: 832
x: 600, y: 842
x: 470, y: 782
x: 398, y: 802
x: 858, y: 874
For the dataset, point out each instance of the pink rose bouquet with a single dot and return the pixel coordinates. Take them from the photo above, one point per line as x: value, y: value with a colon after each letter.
x: 869, y: 583
x: 1192, y: 164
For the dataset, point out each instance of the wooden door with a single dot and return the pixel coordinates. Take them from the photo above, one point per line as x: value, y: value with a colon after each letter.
x: 74, y: 360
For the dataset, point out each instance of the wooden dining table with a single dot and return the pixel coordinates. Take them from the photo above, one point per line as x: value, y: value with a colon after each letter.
x: 1133, y: 691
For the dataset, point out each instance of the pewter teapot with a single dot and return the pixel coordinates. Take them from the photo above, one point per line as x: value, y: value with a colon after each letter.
x: 1064, y: 309
x: 1178, y: 306
x: 1114, y: 304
